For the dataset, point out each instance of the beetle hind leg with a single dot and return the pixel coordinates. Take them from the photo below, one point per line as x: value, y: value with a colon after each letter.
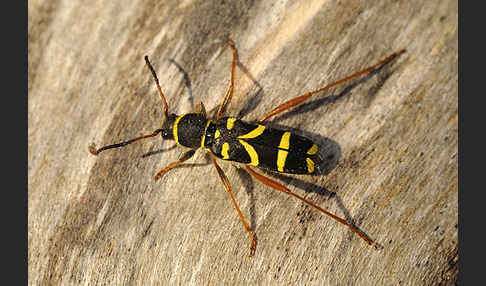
x: 279, y: 187
x: 299, y: 99
x: 227, y: 187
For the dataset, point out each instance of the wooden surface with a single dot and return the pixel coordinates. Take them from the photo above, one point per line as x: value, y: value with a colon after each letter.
x: 103, y: 220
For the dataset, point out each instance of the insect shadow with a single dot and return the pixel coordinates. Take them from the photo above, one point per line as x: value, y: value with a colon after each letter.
x: 253, y: 101
x: 322, y: 191
x: 187, y: 80
x: 159, y: 151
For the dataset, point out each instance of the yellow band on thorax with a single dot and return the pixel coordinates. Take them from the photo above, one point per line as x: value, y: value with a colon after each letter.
x: 176, y: 122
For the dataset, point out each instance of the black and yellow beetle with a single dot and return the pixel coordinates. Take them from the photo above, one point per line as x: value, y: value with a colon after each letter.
x: 231, y: 139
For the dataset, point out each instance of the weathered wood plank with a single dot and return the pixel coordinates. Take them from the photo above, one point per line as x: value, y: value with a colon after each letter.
x: 96, y: 220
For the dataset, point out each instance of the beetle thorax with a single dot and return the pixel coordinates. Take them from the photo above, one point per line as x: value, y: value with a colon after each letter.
x: 188, y: 129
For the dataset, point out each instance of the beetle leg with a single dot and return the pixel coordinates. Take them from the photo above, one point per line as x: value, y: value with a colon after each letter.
x: 279, y: 187
x: 184, y: 157
x: 227, y: 187
x: 299, y: 99
x: 229, y: 92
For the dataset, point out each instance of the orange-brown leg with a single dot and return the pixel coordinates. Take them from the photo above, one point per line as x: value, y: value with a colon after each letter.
x: 94, y: 151
x: 279, y: 187
x: 227, y: 187
x: 199, y: 108
x: 298, y: 100
x: 184, y: 157
x: 229, y: 92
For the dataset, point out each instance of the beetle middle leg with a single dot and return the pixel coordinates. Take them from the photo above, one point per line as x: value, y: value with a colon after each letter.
x: 184, y: 157
x: 279, y: 187
x: 227, y: 187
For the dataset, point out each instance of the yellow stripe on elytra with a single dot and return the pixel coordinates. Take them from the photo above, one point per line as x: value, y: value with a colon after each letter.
x: 217, y: 134
x: 310, y: 165
x: 282, y: 154
x: 176, y: 122
x: 312, y: 150
x: 285, y: 141
x: 251, y: 152
x: 224, y: 150
x: 204, y: 135
x: 254, y: 133
x: 230, y: 122
x: 281, y: 157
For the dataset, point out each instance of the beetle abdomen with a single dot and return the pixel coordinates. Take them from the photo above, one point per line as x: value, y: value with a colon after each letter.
x: 263, y: 147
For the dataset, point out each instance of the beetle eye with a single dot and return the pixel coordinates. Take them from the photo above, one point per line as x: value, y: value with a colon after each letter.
x: 166, y: 134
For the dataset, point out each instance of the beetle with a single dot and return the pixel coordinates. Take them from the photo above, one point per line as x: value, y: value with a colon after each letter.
x: 252, y: 144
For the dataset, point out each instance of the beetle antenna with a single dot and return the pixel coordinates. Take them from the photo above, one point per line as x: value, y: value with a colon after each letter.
x: 94, y: 151
x: 158, y: 86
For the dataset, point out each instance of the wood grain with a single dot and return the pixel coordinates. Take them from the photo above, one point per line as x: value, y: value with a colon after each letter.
x: 96, y: 220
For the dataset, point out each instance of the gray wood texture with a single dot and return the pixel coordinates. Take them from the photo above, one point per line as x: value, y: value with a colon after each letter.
x: 104, y: 220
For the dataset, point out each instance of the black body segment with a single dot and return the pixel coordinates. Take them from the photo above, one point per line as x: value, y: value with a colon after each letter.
x: 188, y: 129
x: 257, y: 145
